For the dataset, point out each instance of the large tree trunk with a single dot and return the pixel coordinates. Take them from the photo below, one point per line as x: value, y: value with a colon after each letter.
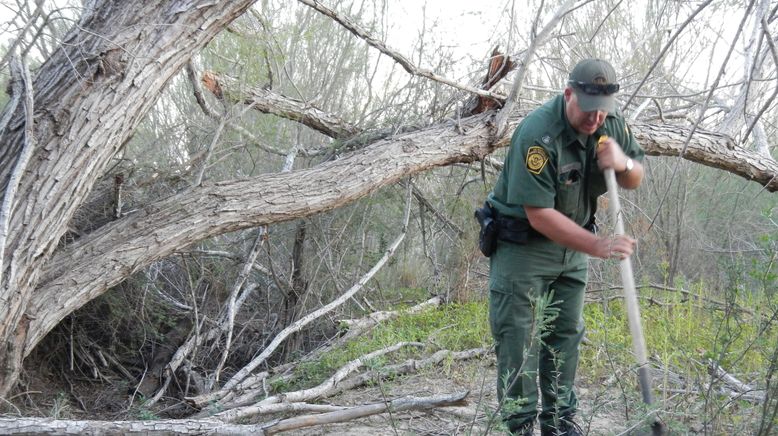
x: 89, y: 97
x: 92, y: 265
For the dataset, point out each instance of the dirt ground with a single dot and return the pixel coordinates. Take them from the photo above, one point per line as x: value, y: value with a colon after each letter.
x: 477, y: 377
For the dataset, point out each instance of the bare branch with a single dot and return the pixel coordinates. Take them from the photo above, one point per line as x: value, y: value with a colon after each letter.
x: 665, y: 49
x: 307, y: 319
x: 535, y: 42
x: 323, y: 390
x: 771, y: 99
x: 19, y: 38
x: 236, y: 287
x: 269, y: 102
x: 400, y: 59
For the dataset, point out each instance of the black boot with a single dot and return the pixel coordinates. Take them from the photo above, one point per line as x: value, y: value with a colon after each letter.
x: 565, y: 427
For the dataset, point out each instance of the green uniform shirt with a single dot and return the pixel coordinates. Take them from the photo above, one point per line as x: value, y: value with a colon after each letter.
x: 550, y: 165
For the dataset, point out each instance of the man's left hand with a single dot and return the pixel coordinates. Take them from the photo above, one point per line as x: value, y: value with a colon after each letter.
x: 610, y: 155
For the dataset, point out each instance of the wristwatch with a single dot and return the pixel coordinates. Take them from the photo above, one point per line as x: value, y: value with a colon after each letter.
x: 629, y: 165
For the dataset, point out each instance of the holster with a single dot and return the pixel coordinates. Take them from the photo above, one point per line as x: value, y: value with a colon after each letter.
x: 496, y: 227
x: 487, y: 237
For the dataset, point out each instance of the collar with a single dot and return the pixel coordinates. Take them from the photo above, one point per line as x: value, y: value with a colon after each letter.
x: 568, y: 135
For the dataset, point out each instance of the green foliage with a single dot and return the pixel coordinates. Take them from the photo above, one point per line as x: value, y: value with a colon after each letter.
x: 453, y: 327
x: 60, y: 408
x: 141, y: 412
x: 678, y: 331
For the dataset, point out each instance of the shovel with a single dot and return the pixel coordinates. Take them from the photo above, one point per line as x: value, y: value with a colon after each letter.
x: 631, y: 300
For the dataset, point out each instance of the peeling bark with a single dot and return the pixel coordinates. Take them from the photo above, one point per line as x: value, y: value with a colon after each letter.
x: 89, y: 96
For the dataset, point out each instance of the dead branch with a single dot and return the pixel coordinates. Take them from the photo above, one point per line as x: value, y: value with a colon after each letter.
x: 326, y: 415
x: 307, y: 319
x: 408, y: 367
x: 498, y: 66
x: 397, y: 405
x: 734, y: 387
x: 400, y: 59
x: 325, y: 389
x: 438, y: 214
x: 715, y: 304
x: 27, y: 426
x: 212, y: 86
x: 270, y: 102
x: 536, y: 40
x: 356, y: 327
x: 232, y: 308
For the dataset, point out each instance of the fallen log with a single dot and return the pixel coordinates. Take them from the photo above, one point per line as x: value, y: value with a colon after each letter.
x: 398, y: 405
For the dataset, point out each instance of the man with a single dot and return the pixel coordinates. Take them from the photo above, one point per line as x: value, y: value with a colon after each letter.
x: 544, y: 202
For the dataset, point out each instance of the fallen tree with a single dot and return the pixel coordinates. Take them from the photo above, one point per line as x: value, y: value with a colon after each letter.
x: 91, y: 95
x: 331, y: 414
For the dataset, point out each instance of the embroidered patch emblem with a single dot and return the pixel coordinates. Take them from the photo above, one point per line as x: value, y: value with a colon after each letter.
x: 536, y: 159
x: 546, y: 139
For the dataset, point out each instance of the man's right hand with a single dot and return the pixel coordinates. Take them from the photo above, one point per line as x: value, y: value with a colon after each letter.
x: 562, y: 230
x: 614, y: 247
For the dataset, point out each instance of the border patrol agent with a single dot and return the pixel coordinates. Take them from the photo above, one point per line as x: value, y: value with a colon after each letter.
x: 544, y: 203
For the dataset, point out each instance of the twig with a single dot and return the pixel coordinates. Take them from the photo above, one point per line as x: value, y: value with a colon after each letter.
x: 307, y: 319
x: 438, y: 214
x: 400, y: 59
x: 12, y: 48
x: 713, y: 87
x: 664, y: 51
x: 535, y: 41
x: 771, y: 99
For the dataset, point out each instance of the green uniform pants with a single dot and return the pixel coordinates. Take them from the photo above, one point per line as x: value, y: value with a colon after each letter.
x: 519, y: 274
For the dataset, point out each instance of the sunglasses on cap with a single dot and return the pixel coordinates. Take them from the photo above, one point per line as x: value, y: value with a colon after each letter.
x: 596, y: 88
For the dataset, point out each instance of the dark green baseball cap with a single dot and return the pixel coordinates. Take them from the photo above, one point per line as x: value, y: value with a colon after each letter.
x: 594, y: 83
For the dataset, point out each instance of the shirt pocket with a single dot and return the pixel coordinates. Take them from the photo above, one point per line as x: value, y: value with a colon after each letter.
x: 597, y: 184
x: 569, y: 192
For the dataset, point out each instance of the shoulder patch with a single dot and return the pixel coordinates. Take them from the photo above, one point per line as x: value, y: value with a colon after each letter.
x: 536, y: 159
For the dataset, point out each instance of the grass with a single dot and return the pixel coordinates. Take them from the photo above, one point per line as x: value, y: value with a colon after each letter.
x: 452, y: 327
x: 682, y: 333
